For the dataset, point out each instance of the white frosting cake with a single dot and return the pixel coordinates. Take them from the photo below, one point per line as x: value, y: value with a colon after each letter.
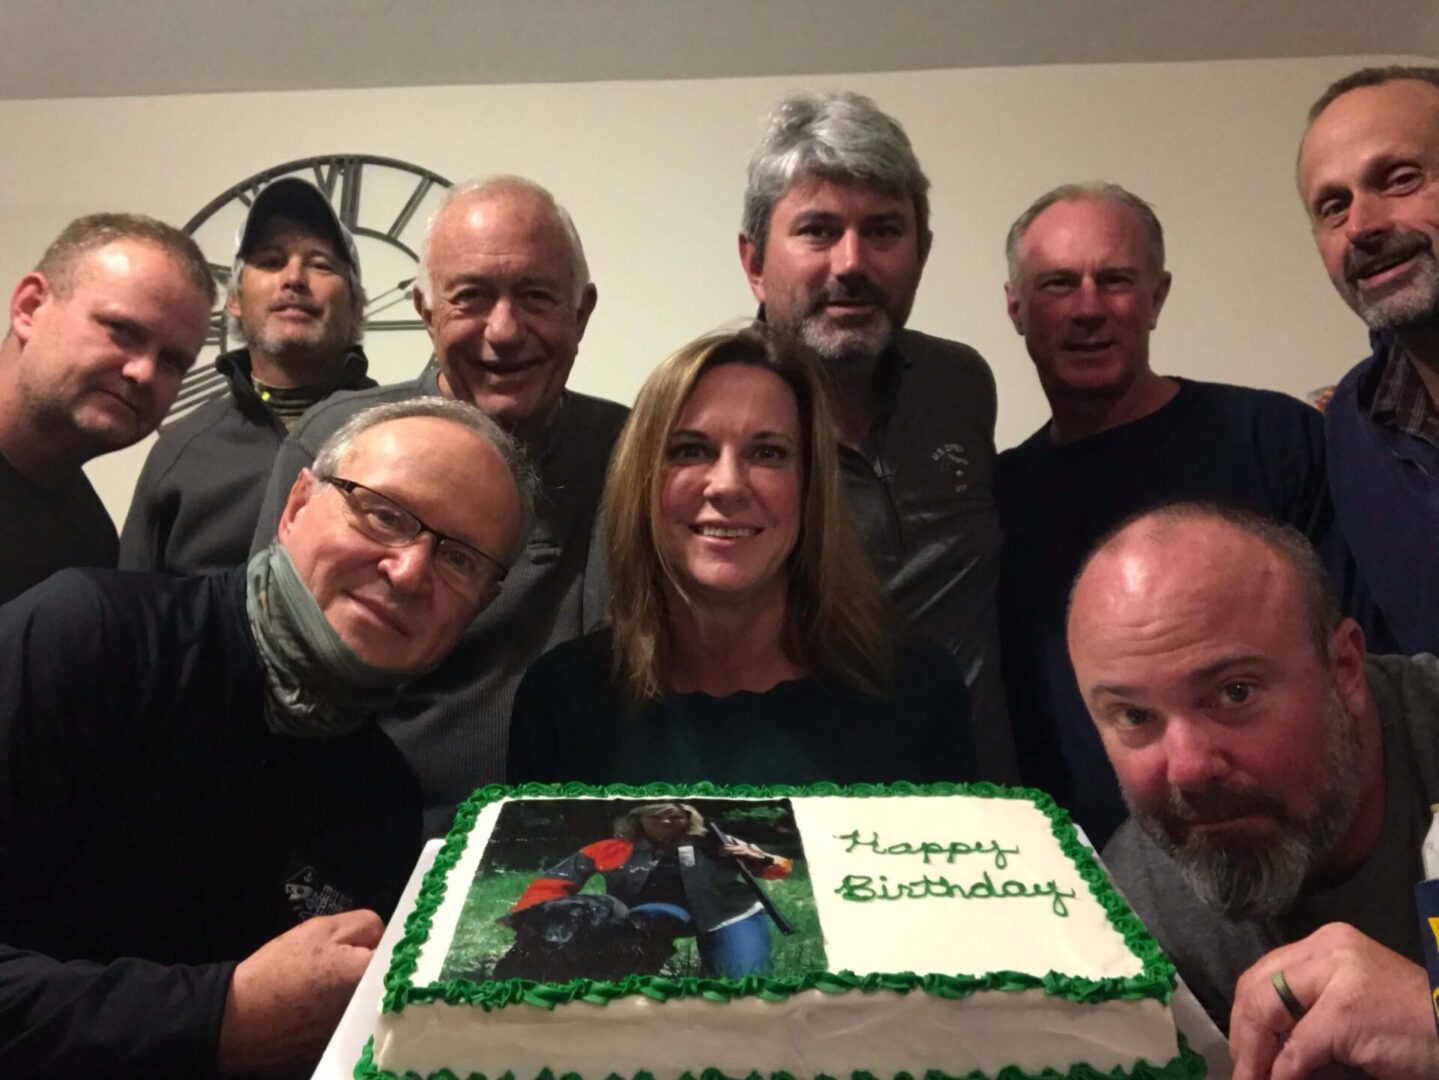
x: 965, y: 929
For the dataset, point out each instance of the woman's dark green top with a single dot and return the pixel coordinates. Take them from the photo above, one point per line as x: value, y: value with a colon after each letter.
x: 571, y: 724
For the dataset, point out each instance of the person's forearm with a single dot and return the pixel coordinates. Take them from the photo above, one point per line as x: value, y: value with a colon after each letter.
x: 130, y: 1017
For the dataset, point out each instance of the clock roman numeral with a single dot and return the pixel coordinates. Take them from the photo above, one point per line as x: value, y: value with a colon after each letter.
x: 349, y: 191
x: 325, y: 180
x: 344, y: 173
x: 407, y: 212
x: 247, y: 195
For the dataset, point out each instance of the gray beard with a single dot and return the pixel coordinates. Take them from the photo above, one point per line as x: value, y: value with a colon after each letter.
x: 1264, y: 879
x: 1415, y: 303
x: 291, y: 347
x: 843, y: 348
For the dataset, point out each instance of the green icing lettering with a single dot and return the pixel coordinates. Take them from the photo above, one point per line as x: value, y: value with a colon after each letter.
x: 929, y: 850
x: 862, y: 888
x: 856, y: 887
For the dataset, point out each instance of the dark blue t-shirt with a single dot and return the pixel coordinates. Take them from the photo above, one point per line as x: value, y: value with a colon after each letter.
x: 1255, y: 448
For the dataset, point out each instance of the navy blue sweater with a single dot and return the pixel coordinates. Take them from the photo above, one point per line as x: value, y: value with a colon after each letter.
x: 1386, y: 493
x: 1254, y: 448
x: 153, y: 832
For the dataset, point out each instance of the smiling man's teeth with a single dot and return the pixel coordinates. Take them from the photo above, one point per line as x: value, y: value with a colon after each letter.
x: 725, y: 534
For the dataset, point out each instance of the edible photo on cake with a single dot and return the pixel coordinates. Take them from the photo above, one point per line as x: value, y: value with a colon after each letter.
x: 604, y: 888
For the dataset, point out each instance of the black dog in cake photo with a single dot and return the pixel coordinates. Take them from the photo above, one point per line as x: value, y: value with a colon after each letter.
x: 681, y: 895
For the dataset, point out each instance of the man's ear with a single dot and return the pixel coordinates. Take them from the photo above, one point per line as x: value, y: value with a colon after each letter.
x: 753, y: 263
x: 31, y: 293
x: 1012, y: 308
x: 588, y: 299
x: 301, y: 492
x: 1161, y: 294
x: 423, y: 309
x: 1346, y: 659
x: 232, y: 301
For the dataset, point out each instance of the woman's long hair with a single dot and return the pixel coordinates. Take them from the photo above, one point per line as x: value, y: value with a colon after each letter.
x: 838, y: 623
x: 630, y: 824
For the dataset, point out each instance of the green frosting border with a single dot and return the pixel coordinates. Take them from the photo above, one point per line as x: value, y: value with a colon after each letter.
x: 1187, y: 1065
x: 1155, y: 979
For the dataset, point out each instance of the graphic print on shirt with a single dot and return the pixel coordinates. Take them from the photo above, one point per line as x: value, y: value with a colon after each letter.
x: 952, y: 456
x: 308, y: 898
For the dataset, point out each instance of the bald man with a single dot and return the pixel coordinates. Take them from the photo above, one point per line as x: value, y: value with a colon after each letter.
x: 505, y: 293
x: 1278, y: 781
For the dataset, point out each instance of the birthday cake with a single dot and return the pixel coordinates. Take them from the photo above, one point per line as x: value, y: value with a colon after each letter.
x: 864, y: 932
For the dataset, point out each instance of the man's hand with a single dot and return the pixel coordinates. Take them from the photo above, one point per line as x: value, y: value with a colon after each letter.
x: 288, y: 996
x: 1368, y: 1008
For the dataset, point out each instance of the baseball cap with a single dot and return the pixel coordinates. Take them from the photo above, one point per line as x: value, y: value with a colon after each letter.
x: 292, y: 197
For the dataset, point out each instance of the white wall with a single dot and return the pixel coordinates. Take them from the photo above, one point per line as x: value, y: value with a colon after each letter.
x: 653, y: 173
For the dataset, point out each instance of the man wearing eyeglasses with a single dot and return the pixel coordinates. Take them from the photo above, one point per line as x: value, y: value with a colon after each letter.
x: 505, y: 293
x: 201, y: 825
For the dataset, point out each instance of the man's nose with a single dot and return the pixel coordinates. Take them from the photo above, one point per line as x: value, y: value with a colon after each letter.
x: 142, y: 368
x: 1368, y: 219
x: 1193, y: 756
x: 847, y: 256
x: 1087, y: 304
x: 294, y: 274
x: 409, y: 566
x: 503, y: 329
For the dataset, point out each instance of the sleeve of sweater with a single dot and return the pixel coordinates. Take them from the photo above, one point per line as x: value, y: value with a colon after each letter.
x: 296, y: 452
x: 1293, y: 442
x: 1290, y: 438
x: 68, y: 694
x: 533, y: 755
x: 562, y: 723
x: 151, y: 516
x: 126, y: 1018
x: 930, y: 688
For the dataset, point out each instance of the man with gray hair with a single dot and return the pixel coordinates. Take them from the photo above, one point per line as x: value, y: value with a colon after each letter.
x: 1368, y: 174
x: 833, y: 241
x: 200, y: 834
x: 1087, y: 283
x: 296, y: 302
x: 505, y: 293
x: 101, y: 333
x: 1280, y: 782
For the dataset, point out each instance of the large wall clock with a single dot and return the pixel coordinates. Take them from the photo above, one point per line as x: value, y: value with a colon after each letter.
x: 386, y: 204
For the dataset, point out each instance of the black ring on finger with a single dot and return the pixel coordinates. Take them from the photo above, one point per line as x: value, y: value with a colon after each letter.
x: 1286, y: 996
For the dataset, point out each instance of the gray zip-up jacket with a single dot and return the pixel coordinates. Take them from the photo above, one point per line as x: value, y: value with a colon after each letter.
x: 199, y: 495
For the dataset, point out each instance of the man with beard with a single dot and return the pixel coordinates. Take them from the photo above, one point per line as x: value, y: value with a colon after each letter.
x: 833, y: 241
x: 1086, y: 287
x: 296, y: 302
x: 101, y: 333
x: 1279, y: 782
x: 1369, y: 178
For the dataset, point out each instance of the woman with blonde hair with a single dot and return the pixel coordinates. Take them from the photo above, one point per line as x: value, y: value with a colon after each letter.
x: 750, y: 640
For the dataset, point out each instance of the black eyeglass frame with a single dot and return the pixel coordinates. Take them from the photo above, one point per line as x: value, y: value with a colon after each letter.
x: 339, y: 483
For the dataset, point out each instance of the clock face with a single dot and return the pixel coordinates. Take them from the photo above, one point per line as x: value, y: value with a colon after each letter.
x: 385, y: 204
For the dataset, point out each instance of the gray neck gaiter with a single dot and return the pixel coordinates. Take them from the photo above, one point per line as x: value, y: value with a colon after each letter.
x: 315, y: 686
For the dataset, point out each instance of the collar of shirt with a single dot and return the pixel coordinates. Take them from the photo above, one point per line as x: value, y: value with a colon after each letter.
x: 1400, y: 398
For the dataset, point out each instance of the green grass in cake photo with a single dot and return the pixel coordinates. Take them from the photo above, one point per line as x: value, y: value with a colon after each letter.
x: 605, y: 888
